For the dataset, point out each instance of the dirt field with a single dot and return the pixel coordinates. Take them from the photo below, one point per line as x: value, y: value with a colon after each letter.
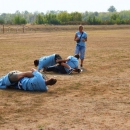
x: 97, y: 99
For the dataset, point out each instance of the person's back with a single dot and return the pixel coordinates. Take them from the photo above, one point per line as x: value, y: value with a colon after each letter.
x: 36, y: 83
x: 72, y: 62
x: 46, y: 61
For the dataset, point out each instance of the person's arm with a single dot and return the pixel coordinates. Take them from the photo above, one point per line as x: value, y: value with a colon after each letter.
x: 84, y: 39
x: 28, y: 74
x: 40, y: 67
x: 41, y: 70
x: 61, y: 60
x: 76, y: 38
x: 36, y: 73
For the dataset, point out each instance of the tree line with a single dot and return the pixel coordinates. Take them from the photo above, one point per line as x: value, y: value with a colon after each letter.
x: 65, y: 18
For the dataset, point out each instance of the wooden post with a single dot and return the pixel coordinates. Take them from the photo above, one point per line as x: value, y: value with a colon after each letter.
x: 17, y: 29
x: 9, y: 29
x: 3, y: 28
x: 23, y: 28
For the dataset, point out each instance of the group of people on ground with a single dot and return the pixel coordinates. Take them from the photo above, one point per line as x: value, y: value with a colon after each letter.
x: 34, y: 80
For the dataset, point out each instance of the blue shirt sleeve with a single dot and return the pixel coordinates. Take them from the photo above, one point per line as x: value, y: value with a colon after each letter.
x: 36, y: 73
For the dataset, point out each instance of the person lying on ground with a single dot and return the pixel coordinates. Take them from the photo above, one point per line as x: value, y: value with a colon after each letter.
x: 28, y: 81
x: 60, y: 69
x: 50, y: 60
x: 72, y: 61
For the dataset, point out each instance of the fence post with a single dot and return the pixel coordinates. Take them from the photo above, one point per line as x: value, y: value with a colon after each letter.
x: 3, y: 28
x: 9, y: 29
x: 17, y: 29
x: 23, y: 28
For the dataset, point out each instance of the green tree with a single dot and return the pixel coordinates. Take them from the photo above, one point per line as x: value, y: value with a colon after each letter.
x: 112, y: 9
x: 2, y: 21
x: 90, y: 20
x: 51, y: 19
x: 39, y: 19
x: 75, y: 16
x: 63, y: 17
x: 19, y: 20
x: 115, y: 16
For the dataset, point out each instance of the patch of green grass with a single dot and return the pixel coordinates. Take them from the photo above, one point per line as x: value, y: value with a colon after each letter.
x: 75, y: 86
x: 40, y: 127
x: 96, y: 81
x: 65, y: 129
x: 61, y: 89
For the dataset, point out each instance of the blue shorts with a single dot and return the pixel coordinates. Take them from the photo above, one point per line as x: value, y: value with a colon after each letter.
x: 80, y: 50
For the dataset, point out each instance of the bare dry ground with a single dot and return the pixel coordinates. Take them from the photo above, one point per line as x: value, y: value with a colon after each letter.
x: 97, y: 99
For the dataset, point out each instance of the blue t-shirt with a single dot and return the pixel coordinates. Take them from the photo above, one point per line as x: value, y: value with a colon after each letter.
x: 84, y: 35
x: 4, y: 81
x: 36, y: 83
x: 46, y: 61
x: 72, y: 62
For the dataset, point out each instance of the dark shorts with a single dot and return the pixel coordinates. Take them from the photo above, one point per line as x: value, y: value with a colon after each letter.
x: 58, y: 69
x: 13, y: 76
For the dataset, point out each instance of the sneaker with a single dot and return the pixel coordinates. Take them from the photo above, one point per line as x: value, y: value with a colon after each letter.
x: 79, y: 70
x: 70, y: 71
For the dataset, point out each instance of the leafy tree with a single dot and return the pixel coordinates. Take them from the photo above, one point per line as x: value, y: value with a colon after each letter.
x: 115, y: 16
x: 75, y: 16
x: 63, y: 17
x: 112, y: 9
x: 2, y: 21
x: 39, y: 19
x: 19, y: 20
x: 51, y: 19
x: 96, y: 13
x: 90, y: 20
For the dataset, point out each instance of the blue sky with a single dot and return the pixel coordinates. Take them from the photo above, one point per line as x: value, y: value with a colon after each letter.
x: 11, y: 6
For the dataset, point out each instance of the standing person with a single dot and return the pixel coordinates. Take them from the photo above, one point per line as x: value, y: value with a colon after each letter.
x: 50, y: 60
x: 28, y: 81
x: 80, y: 38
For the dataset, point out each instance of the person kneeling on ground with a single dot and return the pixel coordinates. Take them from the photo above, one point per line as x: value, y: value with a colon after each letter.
x: 50, y: 60
x: 28, y: 81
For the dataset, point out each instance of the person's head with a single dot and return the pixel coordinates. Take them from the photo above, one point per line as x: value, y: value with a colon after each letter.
x: 77, y: 56
x: 80, y: 28
x: 51, y: 81
x: 36, y: 62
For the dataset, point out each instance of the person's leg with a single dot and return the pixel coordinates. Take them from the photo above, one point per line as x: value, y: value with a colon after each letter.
x: 15, y: 76
x: 61, y: 69
x: 50, y: 81
x: 82, y: 60
x: 57, y: 69
x: 50, y: 68
x: 82, y: 54
x: 65, y: 65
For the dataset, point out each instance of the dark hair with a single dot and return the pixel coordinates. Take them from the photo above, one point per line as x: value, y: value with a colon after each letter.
x: 36, y: 62
x: 77, y: 56
x: 52, y: 81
